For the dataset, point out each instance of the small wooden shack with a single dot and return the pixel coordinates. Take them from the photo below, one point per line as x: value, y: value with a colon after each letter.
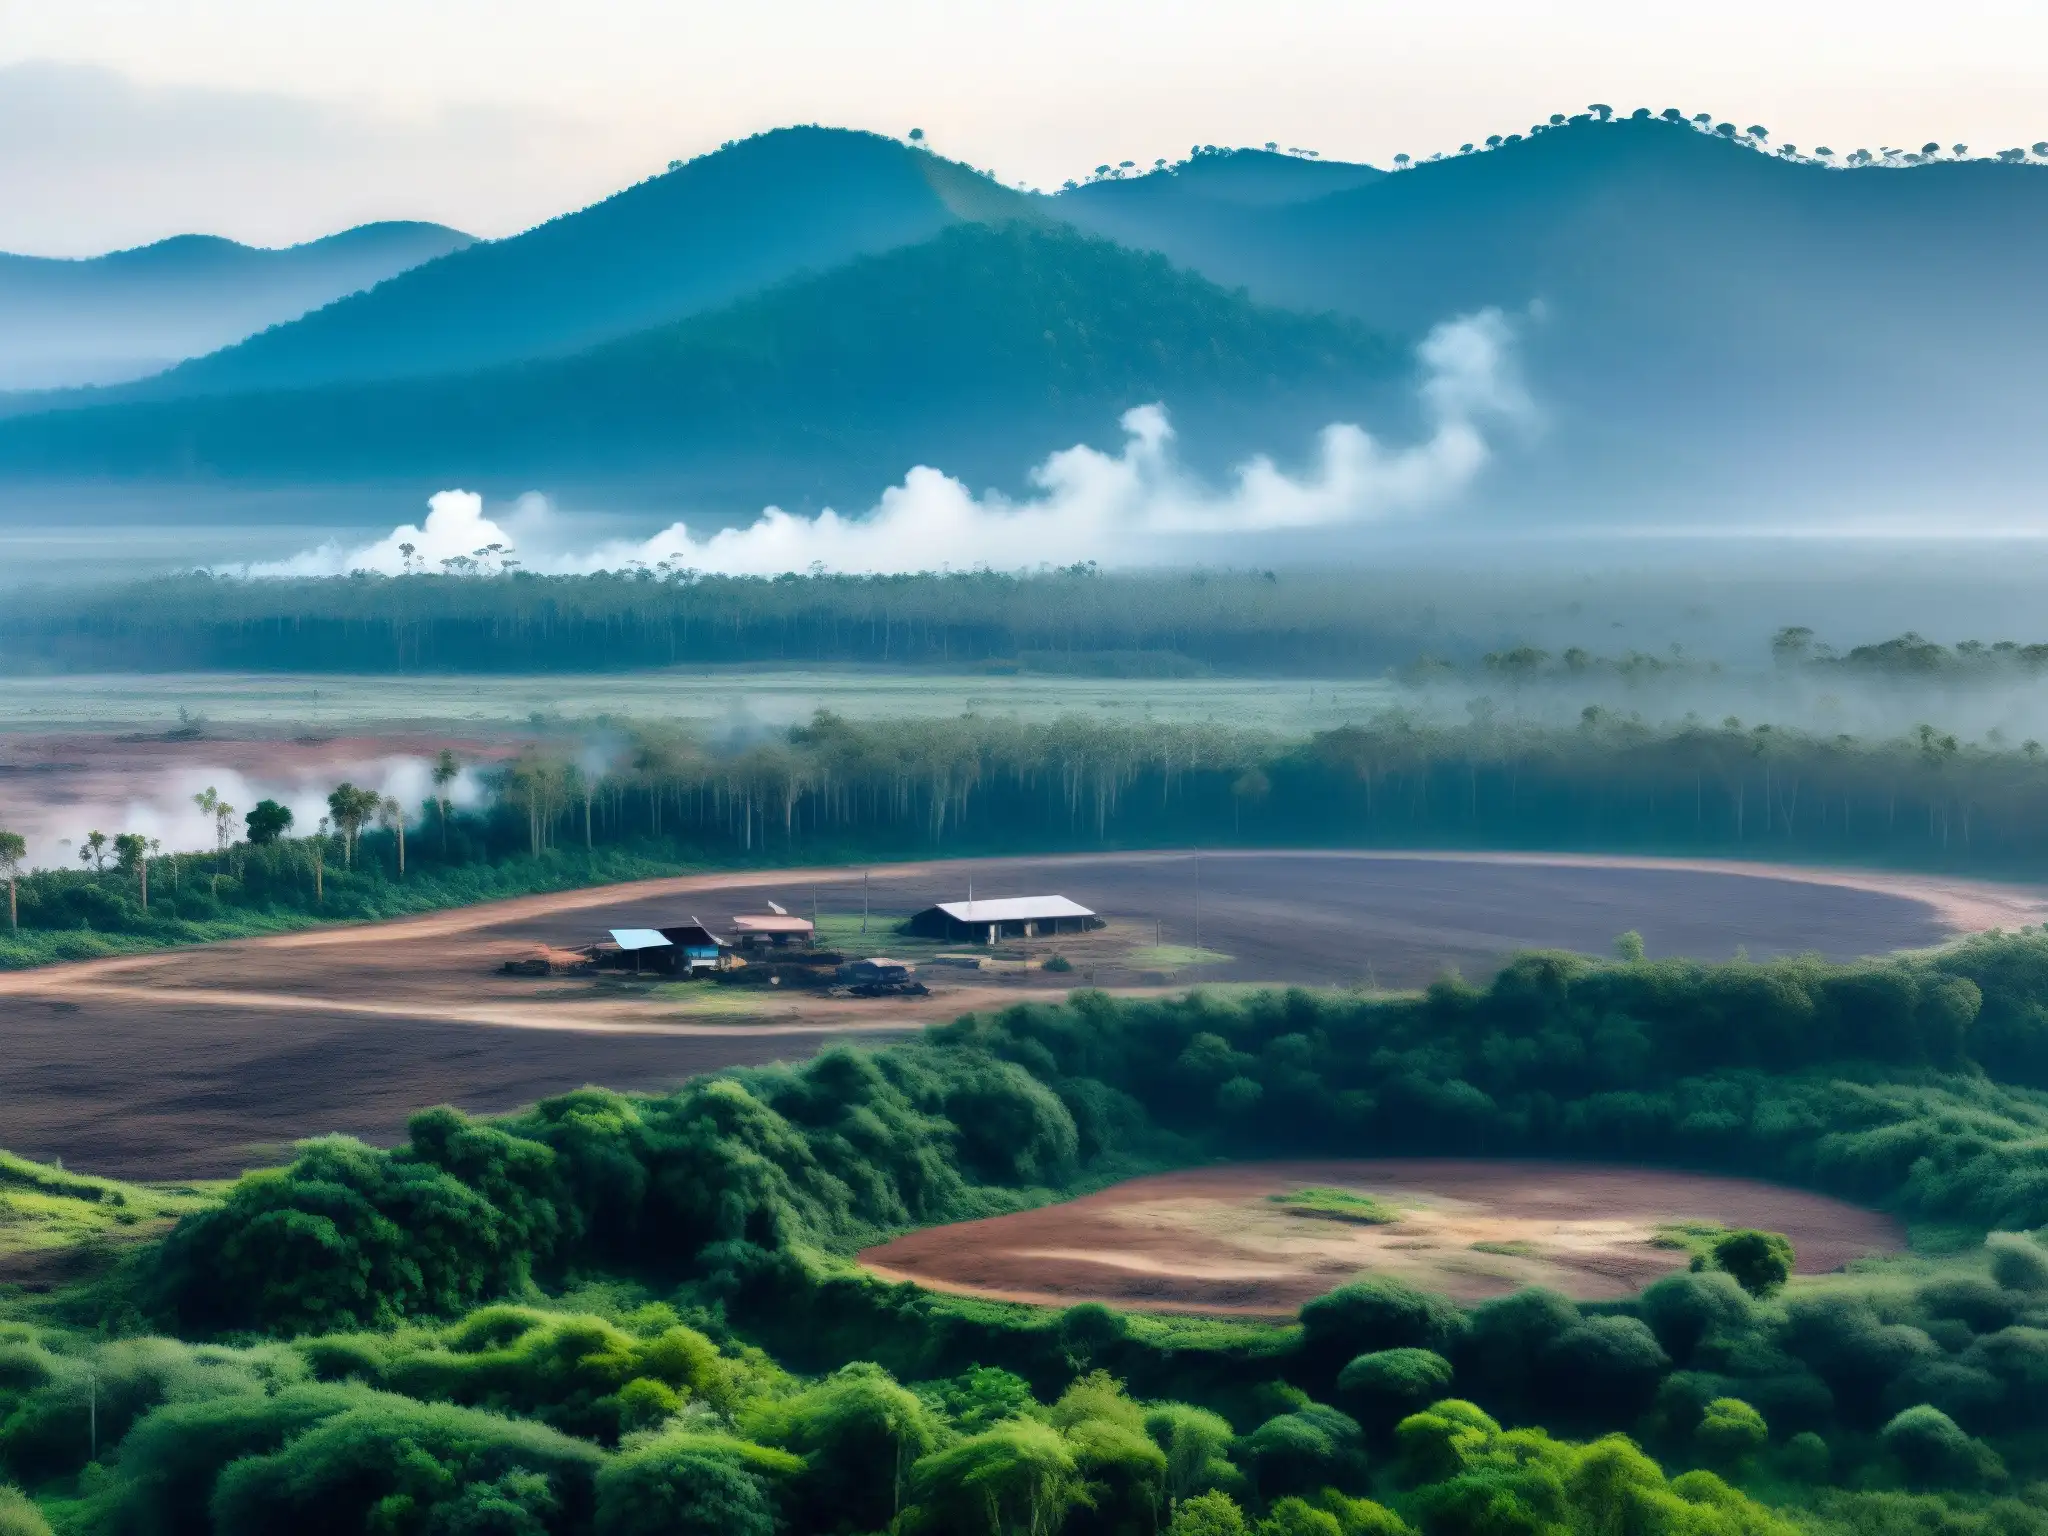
x: 755, y: 930
x: 697, y: 948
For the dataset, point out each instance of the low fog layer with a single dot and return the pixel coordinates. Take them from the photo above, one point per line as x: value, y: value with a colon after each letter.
x: 55, y: 814
x: 1135, y: 507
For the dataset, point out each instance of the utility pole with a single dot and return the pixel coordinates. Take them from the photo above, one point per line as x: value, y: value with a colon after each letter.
x: 863, y: 902
x: 1198, y: 901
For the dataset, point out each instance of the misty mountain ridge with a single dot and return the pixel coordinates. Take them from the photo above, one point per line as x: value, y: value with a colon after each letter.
x: 957, y: 349
x: 1711, y: 334
x: 705, y: 233
x: 108, y: 319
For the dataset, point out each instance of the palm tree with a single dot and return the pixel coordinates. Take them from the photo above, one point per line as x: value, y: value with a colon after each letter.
x: 131, y: 851
x: 446, y: 771
x: 391, y: 814
x: 93, y: 851
x: 13, y: 849
x: 208, y: 801
x: 351, y: 808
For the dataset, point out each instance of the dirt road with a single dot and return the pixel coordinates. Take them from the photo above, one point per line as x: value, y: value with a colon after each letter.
x: 202, y: 1061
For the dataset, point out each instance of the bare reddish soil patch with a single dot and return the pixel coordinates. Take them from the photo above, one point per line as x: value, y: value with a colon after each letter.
x: 1213, y: 1240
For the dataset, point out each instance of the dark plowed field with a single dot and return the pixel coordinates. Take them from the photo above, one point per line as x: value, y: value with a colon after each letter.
x: 198, y: 1062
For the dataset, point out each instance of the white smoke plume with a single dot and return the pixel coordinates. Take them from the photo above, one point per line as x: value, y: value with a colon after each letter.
x: 165, y: 809
x: 1134, y: 507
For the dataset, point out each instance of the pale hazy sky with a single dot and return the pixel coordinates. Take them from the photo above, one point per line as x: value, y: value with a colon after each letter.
x: 276, y: 120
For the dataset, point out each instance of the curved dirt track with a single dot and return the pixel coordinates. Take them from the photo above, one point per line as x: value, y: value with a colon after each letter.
x: 199, y: 1061
x: 1213, y: 1239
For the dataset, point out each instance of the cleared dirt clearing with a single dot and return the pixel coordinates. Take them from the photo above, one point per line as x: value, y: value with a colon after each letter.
x: 1215, y: 1239
x: 197, y: 1062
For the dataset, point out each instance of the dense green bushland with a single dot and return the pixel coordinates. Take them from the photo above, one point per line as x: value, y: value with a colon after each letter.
x: 528, y: 1421
x: 751, y: 1185
x: 834, y: 789
x: 693, y: 1374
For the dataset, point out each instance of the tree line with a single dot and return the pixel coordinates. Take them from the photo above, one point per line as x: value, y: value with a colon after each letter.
x: 491, y: 620
x: 565, y: 813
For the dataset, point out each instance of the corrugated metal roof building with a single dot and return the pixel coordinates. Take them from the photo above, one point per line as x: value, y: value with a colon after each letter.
x: 1006, y: 917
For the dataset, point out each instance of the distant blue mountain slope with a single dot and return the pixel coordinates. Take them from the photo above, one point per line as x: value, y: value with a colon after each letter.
x: 110, y: 318
x: 711, y: 231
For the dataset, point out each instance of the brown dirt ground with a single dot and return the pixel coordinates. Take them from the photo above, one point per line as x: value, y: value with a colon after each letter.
x: 1211, y: 1241
x: 196, y: 1062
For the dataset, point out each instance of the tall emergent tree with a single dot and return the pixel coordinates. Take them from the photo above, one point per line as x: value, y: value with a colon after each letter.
x: 268, y: 822
x: 13, y: 849
x: 131, y: 853
x: 391, y: 814
x: 446, y: 771
x: 351, y: 809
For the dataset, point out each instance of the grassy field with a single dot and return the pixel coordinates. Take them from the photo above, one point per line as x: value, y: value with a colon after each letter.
x: 53, y: 1222
x: 1325, y: 1203
x: 708, y: 1000
x: 1174, y: 957
x: 742, y: 698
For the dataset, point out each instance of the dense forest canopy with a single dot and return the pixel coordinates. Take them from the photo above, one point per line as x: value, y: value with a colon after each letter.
x: 483, y: 614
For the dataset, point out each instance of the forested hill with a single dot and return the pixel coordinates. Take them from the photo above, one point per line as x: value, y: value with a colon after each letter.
x: 1713, y: 330
x: 1221, y: 178
x: 724, y: 225
x: 957, y: 347
x: 129, y: 313
x: 1706, y: 319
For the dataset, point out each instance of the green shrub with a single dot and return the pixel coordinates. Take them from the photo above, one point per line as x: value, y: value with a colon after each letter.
x: 1436, y: 1443
x: 1207, y: 1514
x: 1371, y: 1315
x: 859, y: 1434
x: 1390, y: 1384
x: 1807, y: 1459
x: 391, y: 1461
x: 1761, y: 1262
x: 1606, y: 1366
x: 1298, y: 1517
x: 684, y: 1485
x: 1310, y: 1448
x: 1730, y: 1430
x: 2017, y: 1262
x: 1197, y: 1444
x: 1932, y: 1449
x: 1686, y: 1310
x: 20, y: 1515
x: 1019, y: 1475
